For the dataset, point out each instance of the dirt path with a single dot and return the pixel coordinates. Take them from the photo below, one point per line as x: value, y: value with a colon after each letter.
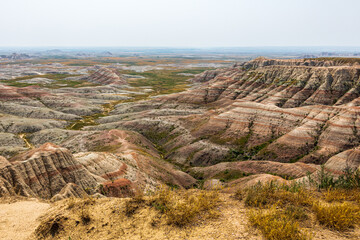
x: 19, y: 219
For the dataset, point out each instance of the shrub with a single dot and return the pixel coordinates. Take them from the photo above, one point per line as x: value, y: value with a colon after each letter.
x: 337, y: 216
x: 350, y: 179
x: 276, y: 225
x: 324, y: 179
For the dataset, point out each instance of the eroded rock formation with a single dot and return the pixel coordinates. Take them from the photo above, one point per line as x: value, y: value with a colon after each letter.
x: 241, y: 125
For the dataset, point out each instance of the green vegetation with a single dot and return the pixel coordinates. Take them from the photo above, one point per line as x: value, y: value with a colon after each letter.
x: 229, y: 175
x: 105, y: 148
x: 350, y: 179
x: 59, y: 81
x: 90, y: 120
x: 242, y: 153
x: 163, y: 81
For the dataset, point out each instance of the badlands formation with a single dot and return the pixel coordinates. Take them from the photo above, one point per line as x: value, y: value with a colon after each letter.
x: 274, y: 117
x: 260, y: 120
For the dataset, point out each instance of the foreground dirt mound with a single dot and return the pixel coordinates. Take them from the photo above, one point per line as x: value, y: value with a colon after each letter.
x: 106, y: 219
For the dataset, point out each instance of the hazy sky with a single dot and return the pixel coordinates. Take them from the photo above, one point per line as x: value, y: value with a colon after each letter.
x: 179, y: 23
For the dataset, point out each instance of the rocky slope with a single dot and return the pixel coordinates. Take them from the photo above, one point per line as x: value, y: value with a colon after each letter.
x: 105, y: 163
x: 278, y: 110
x: 105, y: 76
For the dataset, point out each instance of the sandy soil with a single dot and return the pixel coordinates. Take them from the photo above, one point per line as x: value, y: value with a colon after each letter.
x: 19, y: 219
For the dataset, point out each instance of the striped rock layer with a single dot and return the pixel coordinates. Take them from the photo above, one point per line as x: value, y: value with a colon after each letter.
x: 105, y: 76
x: 275, y: 110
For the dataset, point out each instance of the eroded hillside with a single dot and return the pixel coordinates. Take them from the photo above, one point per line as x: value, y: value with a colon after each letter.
x: 261, y: 120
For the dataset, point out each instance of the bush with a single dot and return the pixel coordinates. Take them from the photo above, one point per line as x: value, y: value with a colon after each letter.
x: 350, y: 179
x: 324, y: 179
x: 337, y: 216
x: 276, y: 225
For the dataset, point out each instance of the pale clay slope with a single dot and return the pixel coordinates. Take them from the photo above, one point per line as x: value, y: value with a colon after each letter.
x: 18, y: 220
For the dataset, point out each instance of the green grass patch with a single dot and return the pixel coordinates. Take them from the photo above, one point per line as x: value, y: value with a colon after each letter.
x: 163, y: 81
x: 105, y: 148
x: 59, y: 81
x: 229, y: 175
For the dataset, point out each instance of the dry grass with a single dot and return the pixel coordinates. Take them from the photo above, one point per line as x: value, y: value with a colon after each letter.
x: 133, y: 204
x: 338, y: 216
x: 51, y: 227
x: 337, y: 209
x: 342, y: 195
x: 287, y: 206
x: 277, y: 225
x: 180, y: 207
x: 296, y: 212
x: 239, y: 194
x: 265, y: 195
x: 186, y: 207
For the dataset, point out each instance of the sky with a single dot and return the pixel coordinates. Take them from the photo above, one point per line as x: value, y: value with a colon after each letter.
x: 179, y: 23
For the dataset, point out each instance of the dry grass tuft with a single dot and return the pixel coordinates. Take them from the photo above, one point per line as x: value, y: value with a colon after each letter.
x: 265, y: 195
x: 85, y: 216
x: 277, y: 225
x: 185, y: 207
x: 133, y: 204
x: 338, y: 216
x: 296, y: 212
x: 338, y: 194
x: 50, y: 227
x: 71, y: 203
x: 239, y: 194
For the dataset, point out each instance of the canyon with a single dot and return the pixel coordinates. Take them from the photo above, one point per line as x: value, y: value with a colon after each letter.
x: 89, y: 132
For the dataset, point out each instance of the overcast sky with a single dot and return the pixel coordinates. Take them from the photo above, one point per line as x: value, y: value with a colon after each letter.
x: 179, y: 23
